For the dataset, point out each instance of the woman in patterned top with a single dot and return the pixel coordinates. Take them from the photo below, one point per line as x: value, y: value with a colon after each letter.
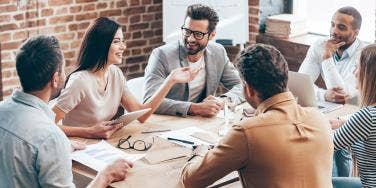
x: 359, y: 132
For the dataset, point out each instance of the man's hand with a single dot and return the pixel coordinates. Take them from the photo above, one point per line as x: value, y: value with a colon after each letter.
x: 117, y: 171
x: 331, y: 46
x: 209, y: 107
x: 336, y: 95
x: 103, y: 130
x: 219, y: 101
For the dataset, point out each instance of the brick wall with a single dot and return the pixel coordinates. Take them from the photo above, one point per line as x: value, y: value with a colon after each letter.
x: 68, y: 20
x: 1, y: 83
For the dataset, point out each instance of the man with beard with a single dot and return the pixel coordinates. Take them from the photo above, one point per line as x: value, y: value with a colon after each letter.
x: 209, y: 60
x: 34, y: 152
x: 284, y: 145
x: 335, y: 59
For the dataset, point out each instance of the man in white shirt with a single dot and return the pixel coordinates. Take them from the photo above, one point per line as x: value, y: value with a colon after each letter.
x: 336, y: 58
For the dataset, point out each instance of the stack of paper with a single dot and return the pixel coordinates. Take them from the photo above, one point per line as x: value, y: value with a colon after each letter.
x: 285, y: 26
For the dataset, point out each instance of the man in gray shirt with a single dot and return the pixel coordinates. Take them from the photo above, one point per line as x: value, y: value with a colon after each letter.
x: 208, y: 60
x: 34, y: 152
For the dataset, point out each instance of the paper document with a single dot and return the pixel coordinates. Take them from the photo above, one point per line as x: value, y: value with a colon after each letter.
x: 326, y: 107
x: 191, y: 134
x: 98, y: 156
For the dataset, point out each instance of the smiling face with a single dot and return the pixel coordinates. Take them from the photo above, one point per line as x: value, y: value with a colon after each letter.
x: 115, y: 54
x: 342, y: 30
x: 192, y: 44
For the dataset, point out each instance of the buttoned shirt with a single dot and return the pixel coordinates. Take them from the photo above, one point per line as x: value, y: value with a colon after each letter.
x: 335, y: 71
x: 34, y: 152
x: 284, y: 145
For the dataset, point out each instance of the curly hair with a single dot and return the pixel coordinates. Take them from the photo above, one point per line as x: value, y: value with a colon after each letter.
x: 264, y: 68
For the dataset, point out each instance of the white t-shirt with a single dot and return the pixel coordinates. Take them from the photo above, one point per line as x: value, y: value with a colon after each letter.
x: 85, y: 104
x: 197, y: 85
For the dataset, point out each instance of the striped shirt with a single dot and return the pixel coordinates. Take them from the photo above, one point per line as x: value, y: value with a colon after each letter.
x: 359, y: 132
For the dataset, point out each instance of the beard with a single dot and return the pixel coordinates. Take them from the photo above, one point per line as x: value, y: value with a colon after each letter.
x: 347, y: 39
x: 195, y: 49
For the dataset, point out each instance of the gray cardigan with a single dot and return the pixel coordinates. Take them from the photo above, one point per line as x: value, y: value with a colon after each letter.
x: 168, y: 57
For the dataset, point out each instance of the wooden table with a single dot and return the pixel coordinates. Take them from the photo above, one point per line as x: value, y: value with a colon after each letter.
x: 165, y: 174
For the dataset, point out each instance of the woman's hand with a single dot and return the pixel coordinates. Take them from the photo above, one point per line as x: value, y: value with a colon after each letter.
x: 103, y: 130
x: 183, y: 75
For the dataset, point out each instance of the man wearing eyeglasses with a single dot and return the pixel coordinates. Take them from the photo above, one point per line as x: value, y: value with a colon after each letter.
x: 210, y: 64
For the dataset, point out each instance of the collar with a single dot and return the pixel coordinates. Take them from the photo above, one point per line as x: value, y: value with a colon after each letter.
x: 19, y: 96
x: 274, y: 100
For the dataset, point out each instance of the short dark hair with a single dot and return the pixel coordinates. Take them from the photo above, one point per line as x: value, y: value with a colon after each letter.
x: 264, y: 68
x: 203, y: 12
x: 351, y: 11
x: 37, y: 61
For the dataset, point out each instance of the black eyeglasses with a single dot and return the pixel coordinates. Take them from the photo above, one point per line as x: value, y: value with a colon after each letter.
x: 196, y: 34
x: 138, y: 145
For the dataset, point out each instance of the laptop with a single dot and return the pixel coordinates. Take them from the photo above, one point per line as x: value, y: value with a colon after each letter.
x: 301, y: 86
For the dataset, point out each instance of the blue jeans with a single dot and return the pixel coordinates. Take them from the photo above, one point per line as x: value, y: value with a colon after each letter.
x: 342, y: 163
x: 346, y: 182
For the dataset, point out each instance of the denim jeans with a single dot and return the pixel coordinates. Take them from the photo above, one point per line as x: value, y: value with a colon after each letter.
x: 346, y: 182
x: 342, y: 163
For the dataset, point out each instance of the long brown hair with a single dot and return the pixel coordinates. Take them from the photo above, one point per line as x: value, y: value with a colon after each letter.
x: 97, y: 41
x: 367, y: 76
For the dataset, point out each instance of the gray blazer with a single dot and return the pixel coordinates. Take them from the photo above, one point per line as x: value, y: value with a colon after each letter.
x: 171, y: 56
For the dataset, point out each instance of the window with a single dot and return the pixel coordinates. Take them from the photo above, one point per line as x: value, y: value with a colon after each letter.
x: 319, y: 13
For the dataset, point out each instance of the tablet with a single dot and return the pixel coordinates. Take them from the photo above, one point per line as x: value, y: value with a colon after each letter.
x: 129, y: 117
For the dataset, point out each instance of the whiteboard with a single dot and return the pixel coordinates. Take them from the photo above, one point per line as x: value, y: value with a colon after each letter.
x: 233, y: 19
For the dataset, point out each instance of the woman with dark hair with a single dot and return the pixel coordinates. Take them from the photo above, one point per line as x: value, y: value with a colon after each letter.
x: 359, y: 132
x: 94, y: 91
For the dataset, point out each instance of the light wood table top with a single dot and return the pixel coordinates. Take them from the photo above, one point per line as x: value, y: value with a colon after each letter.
x: 165, y: 174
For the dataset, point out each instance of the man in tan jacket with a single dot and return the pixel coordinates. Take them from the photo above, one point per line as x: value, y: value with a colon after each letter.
x: 284, y: 145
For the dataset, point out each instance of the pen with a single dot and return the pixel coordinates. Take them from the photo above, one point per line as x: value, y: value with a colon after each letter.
x: 155, y: 131
x: 184, y: 141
